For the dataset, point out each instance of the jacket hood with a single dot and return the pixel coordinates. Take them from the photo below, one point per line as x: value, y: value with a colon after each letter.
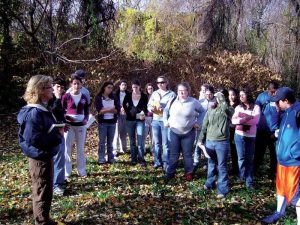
x: 26, y: 110
x: 220, y: 98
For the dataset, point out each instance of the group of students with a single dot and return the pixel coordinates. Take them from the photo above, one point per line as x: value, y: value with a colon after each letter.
x: 228, y: 124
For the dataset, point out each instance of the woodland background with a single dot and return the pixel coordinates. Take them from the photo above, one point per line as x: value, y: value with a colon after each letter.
x: 223, y: 42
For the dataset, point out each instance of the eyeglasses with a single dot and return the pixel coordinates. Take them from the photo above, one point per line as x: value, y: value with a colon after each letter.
x: 149, y: 88
x: 160, y: 82
x: 58, y: 86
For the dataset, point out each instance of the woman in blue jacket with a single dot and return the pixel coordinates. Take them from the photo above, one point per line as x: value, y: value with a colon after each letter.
x: 40, y: 143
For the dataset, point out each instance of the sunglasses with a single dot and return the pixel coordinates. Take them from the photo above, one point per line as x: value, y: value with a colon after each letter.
x: 160, y: 82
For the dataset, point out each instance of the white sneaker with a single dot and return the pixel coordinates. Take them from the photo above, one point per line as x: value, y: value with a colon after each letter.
x: 58, y: 191
x: 220, y: 196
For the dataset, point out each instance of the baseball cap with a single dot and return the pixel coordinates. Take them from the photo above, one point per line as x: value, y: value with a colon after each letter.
x: 80, y: 73
x: 282, y: 93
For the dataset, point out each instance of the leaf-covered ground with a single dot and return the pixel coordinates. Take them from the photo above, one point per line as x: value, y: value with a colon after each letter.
x: 125, y: 194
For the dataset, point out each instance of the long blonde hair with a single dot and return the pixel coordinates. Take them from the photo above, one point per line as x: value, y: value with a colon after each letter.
x: 34, y: 88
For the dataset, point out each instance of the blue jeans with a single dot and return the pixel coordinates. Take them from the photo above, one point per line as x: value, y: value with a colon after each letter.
x: 106, y: 135
x: 245, y: 152
x: 136, y: 129
x: 59, y: 165
x: 184, y: 143
x: 160, y: 139
x: 217, y: 164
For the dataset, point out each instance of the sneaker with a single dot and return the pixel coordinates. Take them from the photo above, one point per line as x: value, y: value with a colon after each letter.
x: 83, y: 175
x: 196, y: 166
x: 189, y: 177
x: 121, y: 152
x: 165, y: 167
x: 205, y: 187
x: 272, y: 218
x: 220, y: 196
x: 156, y: 166
x: 58, y: 191
x: 168, y: 178
x: 250, y: 188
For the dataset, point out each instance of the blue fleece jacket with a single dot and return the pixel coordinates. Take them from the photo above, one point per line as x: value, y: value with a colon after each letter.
x: 269, y: 118
x: 288, y: 144
x: 34, y: 137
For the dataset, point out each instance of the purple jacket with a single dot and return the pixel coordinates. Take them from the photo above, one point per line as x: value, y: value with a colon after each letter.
x: 70, y: 108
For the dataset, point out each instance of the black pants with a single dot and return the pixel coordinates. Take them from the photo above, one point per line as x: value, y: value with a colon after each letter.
x: 41, y: 172
x: 265, y: 139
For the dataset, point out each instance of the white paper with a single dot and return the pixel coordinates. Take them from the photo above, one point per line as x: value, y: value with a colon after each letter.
x: 56, y: 125
x: 204, y: 151
x: 91, y: 120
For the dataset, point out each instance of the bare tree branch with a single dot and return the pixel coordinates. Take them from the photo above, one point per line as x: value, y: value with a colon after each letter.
x: 73, y: 39
x: 66, y: 60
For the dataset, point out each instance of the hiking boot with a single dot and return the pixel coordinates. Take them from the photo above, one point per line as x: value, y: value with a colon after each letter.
x: 272, y: 218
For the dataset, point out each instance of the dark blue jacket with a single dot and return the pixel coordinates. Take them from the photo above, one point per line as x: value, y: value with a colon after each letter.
x: 34, y: 139
x: 288, y: 144
x: 132, y: 110
x: 269, y: 118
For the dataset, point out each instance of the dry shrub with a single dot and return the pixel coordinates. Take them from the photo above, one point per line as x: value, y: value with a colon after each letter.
x: 222, y: 69
x: 227, y: 69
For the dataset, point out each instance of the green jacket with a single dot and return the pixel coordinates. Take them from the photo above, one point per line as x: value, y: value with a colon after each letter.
x: 216, y: 122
